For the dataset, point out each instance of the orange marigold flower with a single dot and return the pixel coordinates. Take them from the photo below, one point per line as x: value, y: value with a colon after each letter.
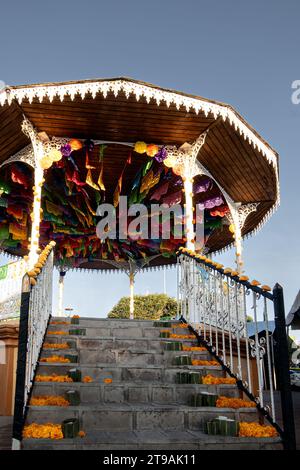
x: 55, y: 359
x: 53, y: 378
x: 173, y: 335
x: 107, y: 381
x: 179, y: 325
x: 199, y: 362
x: 59, y: 323
x: 56, y: 345
x: 256, y: 430
x: 81, y: 434
x: 87, y: 379
x: 226, y: 402
x: 193, y: 348
x: 49, y: 400
x: 212, y: 380
x: 42, y: 431
x: 76, y: 316
x: 58, y: 333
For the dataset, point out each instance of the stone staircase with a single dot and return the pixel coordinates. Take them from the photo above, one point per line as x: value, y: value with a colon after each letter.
x: 142, y: 407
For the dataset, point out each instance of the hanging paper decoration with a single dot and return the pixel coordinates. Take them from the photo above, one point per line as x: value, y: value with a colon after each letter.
x: 202, y: 186
x: 210, y: 203
x: 101, y: 159
x: 159, y: 192
x: 172, y: 199
x: 140, y: 147
x: 220, y: 212
x: 18, y: 232
x: 18, y: 176
x: 117, y: 192
x: 149, y: 181
x: 161, y: 155
x: 53, y: 208
x: 4, y: 231
x: 5, y: 187
x: 90, y: 182
x: 66, y: 150
x: 15, y: 211
x: 89, y: 146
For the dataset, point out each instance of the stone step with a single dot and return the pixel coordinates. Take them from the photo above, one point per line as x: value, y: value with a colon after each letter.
x: 121, y: 356
x: 133, y: 392
x: 130, y: 417
x: 153, y: 440
x: 125, y: 331
x: 111, y: 322
x: 108, y: 343
x: 128, y: 372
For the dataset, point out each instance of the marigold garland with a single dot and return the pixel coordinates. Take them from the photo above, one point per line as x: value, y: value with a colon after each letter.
x: 256, y: 430
x: 173, y: 335
x: 55, y: 359
x: 180, y: 325
x: 49, y: 400
x: 193, y: 348
x: 60, y: 323
x: 56, y: 346
x: 58, y: 333
x: 226, y: 402
x: 199, y: 362
x: 43, y: 431
x: 76, y: 316
x: 212, y: 380
x: 53, y: 378
x: 87, y: 379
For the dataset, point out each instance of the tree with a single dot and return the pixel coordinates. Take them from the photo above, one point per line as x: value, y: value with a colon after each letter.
x: 146, y: 307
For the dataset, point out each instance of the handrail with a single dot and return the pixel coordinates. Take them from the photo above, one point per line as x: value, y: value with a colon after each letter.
x: 215, y: 302
x: 35, y: 312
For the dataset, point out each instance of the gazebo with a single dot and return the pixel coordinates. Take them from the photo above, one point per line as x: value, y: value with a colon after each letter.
x: 66, y: 148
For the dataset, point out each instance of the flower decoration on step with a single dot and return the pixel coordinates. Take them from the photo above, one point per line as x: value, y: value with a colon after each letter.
x: 58, y: 333
x: 49, y: 400
x: 173, y: 335
x: 53, y: 378
x: 55, y: 359
x: 180, y: 325
x: 107, y: 381
x: 81, y: 434
x: 198, y: 362
x: 212, y: 380
x: 59, y: 323
x: 256, y: 430
x: 227, y: 402
x: 193, y: 348
x: 56, y: 346
x: 43, y: 431
x: 87, y: 379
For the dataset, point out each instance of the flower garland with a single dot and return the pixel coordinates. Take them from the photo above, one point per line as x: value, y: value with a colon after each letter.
x: 212, y: 380
x: 58, y: 333
x: 193, y: 348
x: 256, y: 430
x: 173, y: 335
x: 59, y: 323
x: 55, y: 359
x: 43, y: 431
x: 179, y: 325
x: 56, y: 346
x: 53, y: 378
x: 87, y: 379
x: 199, y: 362
x: 226, y: 402
x: 49, y: 400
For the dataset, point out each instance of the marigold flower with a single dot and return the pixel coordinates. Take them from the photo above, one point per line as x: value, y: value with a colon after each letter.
x: 49, y: 400
x: 212, y: 380
x: 58, y: 333
x: 179, y: 325
x: 56, y: 345
x: 76, y: 316
x: 107, y: 381
x: 199, y: 362
x: 193, y: 348
x: 42, y: 431
x: 87, y: 379
x: 81, y: 434
x: 59, y: 323
x: 226, y: 402
x: 55, y: 359
x: 173, y: 335
x: 256, y: 430
x: 53, y: 378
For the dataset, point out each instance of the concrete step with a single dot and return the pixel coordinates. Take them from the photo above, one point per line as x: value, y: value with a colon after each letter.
x: 129, y: 356
x: 123, y: 331
x: 153, y: 440
x: 133, y: 392
x: 130, y: 417
x: 111, y: 322
x: 108, y: 343
x: 128, y: 372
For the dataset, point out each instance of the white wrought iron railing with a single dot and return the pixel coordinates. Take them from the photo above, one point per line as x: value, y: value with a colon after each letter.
x: 243, y: 325
x: 35, y: 312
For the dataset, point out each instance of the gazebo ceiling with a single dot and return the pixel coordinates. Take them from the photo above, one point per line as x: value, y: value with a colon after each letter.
x: 124, y: 110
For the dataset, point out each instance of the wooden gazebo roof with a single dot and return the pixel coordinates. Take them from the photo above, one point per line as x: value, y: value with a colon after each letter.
x: 125, y: 110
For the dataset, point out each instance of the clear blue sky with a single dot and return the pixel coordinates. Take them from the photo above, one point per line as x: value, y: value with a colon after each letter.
x: 243, y: 53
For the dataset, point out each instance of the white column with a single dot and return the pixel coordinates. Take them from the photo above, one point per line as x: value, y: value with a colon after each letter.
x: 131, y: 304
x: 61, y: 293
x: 36, y: 216
x: 189, y: 227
